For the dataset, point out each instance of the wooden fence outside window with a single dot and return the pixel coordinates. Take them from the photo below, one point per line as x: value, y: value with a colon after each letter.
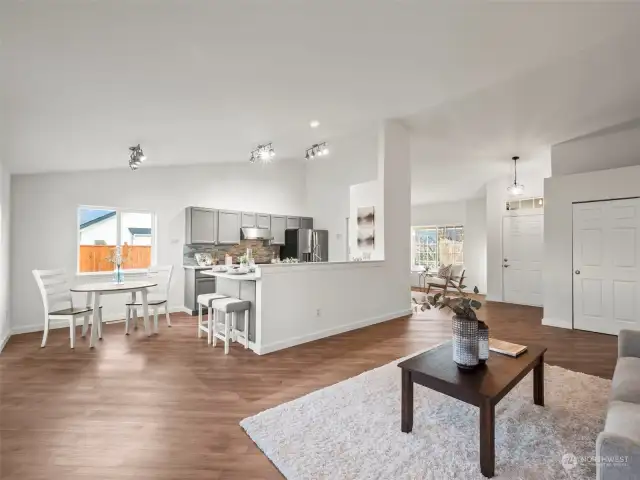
x: 93, y: 258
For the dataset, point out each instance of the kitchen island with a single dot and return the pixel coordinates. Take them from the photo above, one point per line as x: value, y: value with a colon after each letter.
x: 243, y: 287
x: 302, y: 302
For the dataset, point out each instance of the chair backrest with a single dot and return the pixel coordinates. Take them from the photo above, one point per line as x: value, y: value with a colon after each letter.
x: 161, y: 274
x: 444, y: 272
x: 54, y: 288
x: 457, y: 271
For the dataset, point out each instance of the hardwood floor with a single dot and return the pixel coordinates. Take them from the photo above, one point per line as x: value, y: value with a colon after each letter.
x: 168, y: 407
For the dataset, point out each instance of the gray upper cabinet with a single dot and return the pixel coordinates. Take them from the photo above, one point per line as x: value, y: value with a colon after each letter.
x: 248, y: 220
x: 278, y: 226
x: 229, y: 226
x: 212, y: 226
x: 263, y: 220
x: 293, y: 222
x: 201, y: 225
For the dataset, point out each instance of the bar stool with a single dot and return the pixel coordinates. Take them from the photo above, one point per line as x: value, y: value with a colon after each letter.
x: 230, y: 307
x: 205, y: 300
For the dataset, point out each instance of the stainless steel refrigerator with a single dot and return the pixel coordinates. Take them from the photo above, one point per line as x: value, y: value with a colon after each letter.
x: 307, y: 245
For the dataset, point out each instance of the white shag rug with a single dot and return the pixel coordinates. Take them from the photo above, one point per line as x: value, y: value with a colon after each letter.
x: 351, y: 430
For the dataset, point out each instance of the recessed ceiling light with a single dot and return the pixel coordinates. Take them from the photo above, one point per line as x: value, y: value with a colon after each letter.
x: 314, y: 123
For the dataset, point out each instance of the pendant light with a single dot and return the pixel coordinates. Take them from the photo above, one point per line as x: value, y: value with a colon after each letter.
x: 515, y: 188
x: 136, y: 157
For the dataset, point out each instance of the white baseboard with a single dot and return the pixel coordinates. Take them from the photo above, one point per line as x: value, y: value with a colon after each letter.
x: 3, y: 341
x: 556, y: 322
x: 54, y: 324
x: 493, y: 298
x: 292, y: 342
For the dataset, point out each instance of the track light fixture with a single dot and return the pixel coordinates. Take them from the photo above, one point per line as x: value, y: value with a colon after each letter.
x: 136, y: 158
x: 262, y: 152
x: 319, y: 149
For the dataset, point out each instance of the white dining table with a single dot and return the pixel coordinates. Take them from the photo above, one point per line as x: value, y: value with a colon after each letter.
x: 95, y: 291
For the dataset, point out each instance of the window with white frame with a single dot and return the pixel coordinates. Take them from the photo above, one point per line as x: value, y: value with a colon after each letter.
x: 102, y: 229
x: 437, y: 245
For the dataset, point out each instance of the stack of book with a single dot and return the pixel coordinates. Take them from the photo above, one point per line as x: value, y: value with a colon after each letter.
x: 506, y: 348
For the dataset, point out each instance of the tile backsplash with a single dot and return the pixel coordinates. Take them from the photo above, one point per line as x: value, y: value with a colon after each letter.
x: 261, y: 253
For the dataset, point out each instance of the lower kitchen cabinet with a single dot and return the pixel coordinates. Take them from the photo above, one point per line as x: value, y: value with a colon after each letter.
x: 196, y: 284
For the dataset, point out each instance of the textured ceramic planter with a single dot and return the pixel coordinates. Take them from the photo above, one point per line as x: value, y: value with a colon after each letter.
x: 465, y: 342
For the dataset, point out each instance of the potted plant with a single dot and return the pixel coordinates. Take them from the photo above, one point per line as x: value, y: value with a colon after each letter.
x: 465, y: 326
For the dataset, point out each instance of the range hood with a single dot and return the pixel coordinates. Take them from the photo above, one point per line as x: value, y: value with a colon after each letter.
x: 255, y: 234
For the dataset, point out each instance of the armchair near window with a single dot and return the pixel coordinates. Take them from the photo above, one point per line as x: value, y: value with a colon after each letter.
x: 453, y: 278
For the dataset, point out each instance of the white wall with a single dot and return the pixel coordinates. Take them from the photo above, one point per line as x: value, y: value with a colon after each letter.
x: 364, y: 195
x: 44, y: 216
x: 560, y: 194
x: 394, y: 222
x: 613, y: 147
x: 305, y: 302
x: 475, y: 244
x: 446, y: 213
x: 328, y: 179
x: 472, y: 215
x: 5, y: 327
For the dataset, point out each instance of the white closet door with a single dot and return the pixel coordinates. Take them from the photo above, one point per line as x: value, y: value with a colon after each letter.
x: 522, y: 248
x: 606, y: 274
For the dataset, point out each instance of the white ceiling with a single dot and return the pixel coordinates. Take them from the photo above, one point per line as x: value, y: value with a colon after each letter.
x: 200, y: 82
x: 461, y: 144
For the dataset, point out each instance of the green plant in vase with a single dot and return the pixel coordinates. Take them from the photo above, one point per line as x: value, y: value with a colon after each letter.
x: 470, y: 335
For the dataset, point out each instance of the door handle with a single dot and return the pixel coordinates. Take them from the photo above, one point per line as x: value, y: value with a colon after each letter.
x: 577, y: 272
x: 506, y: 266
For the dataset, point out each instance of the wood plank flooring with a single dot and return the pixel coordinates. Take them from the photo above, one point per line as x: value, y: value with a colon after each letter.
x: 168, y: 407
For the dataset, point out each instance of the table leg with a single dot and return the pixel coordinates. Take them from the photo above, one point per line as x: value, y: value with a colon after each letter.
x: 85, y: 323
x: 487, y: 439
x: 132, y: 312
x: 96, y: 320
x: 538, y: 382
x: 145, y: 311
x: 407, y: 402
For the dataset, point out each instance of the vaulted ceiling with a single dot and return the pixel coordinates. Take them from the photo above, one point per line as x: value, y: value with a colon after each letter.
x: 201, y: 82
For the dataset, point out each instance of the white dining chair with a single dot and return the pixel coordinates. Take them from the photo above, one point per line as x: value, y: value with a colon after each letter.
x: 158, y: 297
x: 58, y: 303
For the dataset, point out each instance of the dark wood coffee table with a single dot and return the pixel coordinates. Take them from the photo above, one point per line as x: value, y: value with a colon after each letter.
x: 483, y: 387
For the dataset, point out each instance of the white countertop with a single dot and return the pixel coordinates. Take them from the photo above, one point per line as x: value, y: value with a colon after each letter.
x: 247, y: 277
x: 196, y: 267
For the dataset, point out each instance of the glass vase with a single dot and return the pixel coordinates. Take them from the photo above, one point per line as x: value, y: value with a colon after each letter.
x: 118, y: 275
x: 483, y: 342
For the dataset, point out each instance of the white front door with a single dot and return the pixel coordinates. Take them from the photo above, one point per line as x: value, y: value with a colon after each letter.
x: 522, y: 246
x: 606, y: 275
